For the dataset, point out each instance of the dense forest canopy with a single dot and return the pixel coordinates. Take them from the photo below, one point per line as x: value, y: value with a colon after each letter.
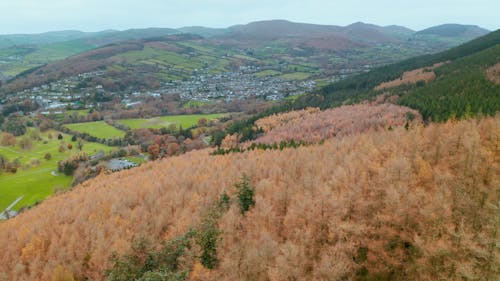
x: 387, y: 175
x: 411, y: 204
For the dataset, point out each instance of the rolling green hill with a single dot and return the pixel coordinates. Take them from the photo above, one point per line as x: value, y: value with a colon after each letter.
x: 11, y: 40
x: 16, y: 59
x: 448, y: 35
x: 98, y: 38
x: 454, y: 30
x: 19, y: 53
x: 134, y: 62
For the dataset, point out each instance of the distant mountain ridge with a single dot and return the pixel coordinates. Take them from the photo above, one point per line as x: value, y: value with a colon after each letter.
x: 284, y: 28
x: 259, y: 29
x: 454, y: 30
x: 20, y: 53
x: 98, y: 38
x: 203, y: 31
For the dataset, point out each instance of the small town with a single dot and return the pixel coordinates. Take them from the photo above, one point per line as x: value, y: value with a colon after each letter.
x: 235, y: 85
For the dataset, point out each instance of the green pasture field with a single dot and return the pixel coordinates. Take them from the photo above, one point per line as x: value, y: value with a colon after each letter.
x: 186, y: 121
x: 36, y: 181
x: 268, y: 72
x: 296, y: 76
x: 99, y: 129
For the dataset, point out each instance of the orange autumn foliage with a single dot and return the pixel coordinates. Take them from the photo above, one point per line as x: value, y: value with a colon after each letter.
x: 425, y: 74
x: 313, y: 125
x: 419, y: 204
x: 8, y: 140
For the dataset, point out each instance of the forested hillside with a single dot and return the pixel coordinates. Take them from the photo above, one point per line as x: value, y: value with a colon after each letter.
x: 461, y: 89
x: 402, y: 204
x: 458, y: 83
x: 359, y: 184
x: 461, y: 86
x: 312, y: 125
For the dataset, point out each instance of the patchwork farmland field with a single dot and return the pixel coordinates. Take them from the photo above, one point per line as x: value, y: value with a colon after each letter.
x: 99, y: 129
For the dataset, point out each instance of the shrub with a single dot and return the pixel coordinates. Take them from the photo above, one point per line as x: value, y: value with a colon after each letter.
x: 122, y: 153
x: 15, y: 127
x: 62, y: 148
x: 47, y: 156
x: 26, y: 143
x: 80, y: 144
x: 68, y: 167
x: 8, y: 139
x: 35, y: 135
x: 202, y: 122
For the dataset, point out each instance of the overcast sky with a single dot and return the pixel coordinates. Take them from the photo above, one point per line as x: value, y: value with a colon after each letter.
x: 33, y: 16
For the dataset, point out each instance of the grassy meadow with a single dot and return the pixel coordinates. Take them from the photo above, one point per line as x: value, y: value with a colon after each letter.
x: 37, y: 177
x: 99, y: 129
x: 186, y: 121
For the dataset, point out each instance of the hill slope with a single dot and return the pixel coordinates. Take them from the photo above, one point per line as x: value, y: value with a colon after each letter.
x: 413, y: 205
x: 467, y: 67
x: 455, y: 30
x: 98, y: 38
x: 44, y: 38
x: 203, y: 31
x: 131, y: 62
x: 326, y: 37
x: 25, y: 51
x: 460, y: 89
x: 373, y: 33
x: 449, y: 35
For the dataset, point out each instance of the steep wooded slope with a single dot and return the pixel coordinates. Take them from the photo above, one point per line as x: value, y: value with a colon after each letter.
x: 390, y: 205
x: 461, y: 86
